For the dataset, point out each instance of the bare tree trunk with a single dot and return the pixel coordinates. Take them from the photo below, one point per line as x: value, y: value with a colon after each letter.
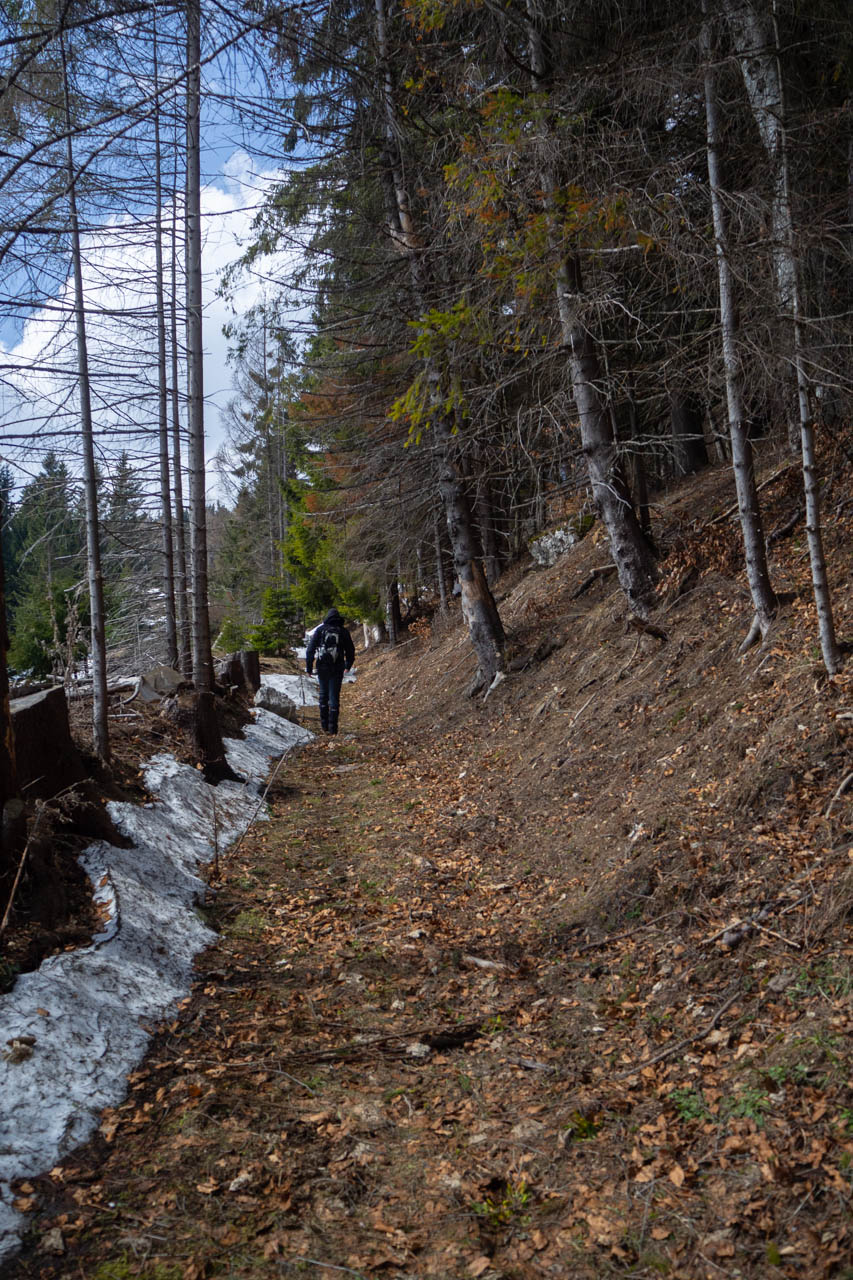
x: 100, y: 728
x: 163, y: 393
x: 688, y: 438
x: 757, y: 45
x: 478, y: 605
x: 392, y: 613
x: 758, y: 575
x: 8, y: 771
x: 486, y: 520
x: 202, y: 660
x: 182, y: 597
x: 639, y: 473
x: 439, y: 565
x: 632, y: 555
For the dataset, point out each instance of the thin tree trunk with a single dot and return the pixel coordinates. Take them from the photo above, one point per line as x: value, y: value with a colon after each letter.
x: 486, y: 520
x: 632, y: 555
x: 100, y: 728
x: 182, y: 598
x: 478, y: 605
x: 202, y: 659
x: 757, y: 43
x: 392, y: 613
x: 758, y: 575
x: 688, y: 438
x: 640, y: 478
x: 439, y: 564
x: 8, y: 772
x: 163, y: 393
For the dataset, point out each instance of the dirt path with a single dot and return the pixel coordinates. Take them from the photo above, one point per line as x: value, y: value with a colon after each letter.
x: 388, y: 1066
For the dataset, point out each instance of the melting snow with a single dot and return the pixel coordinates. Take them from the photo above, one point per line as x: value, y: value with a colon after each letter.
x: 89, y: 1010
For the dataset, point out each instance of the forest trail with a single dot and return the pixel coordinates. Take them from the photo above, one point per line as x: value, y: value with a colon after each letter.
x: 386, y: 1067
x: 558, y: 984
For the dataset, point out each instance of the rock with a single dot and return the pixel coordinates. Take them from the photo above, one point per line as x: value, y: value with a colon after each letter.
x: 52, y: 1241
x: 528, y: 1130
x: 47, y: 760
x: 547, y: 548
x: 368, y: 1117
x: 160, y: 682
x: 374, y: 633
x: 276, y: 701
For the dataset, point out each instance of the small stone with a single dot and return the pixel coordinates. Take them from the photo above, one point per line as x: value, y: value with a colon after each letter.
x: 417, y: 1049
x: 52, y: 1241
x: 528, y: 1130
x: 368, y: 1117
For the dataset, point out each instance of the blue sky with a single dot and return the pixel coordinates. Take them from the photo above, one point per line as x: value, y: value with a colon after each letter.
x: 38, y: 397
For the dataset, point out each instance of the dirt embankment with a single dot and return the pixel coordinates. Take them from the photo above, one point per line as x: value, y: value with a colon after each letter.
x: 553, y: 984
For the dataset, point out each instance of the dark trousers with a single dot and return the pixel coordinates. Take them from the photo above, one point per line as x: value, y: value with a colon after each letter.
x: 330, y: 682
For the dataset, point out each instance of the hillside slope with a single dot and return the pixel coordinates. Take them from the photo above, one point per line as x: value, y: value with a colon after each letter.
x: 552, y: 984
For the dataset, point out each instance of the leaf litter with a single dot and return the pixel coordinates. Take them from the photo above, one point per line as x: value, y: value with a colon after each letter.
x: 541, y: 986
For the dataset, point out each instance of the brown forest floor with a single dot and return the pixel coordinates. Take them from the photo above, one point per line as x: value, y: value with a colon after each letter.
x: 558, y: 984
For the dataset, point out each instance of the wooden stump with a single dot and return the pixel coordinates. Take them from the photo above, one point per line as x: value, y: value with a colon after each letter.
x: 193, y: 714
x: 231, y: 673
x: 250, y: 660
x: 47, y: 760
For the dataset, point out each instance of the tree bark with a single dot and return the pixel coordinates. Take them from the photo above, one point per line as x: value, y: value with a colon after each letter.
x: 632, y: 555
x: 202, y: 659
x: 486, y: 520
x: 478, y: 605
x: 439, y: 566
x: 162, y: 387
x: 757, y: 45
x: 181, y: 594
x: 392, y: 613
x: 8, y: 771
x: 688, y: 439
x: 100, y: 728
x: 758, y: 575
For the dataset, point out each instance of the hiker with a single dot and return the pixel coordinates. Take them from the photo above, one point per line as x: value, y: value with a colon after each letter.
x: 332, y: 649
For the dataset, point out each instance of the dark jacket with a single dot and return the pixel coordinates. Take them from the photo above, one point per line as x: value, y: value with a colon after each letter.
x: 346, y: 649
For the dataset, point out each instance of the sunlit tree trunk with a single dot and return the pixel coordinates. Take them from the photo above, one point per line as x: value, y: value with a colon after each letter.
x: 758, y: 575
x: 8, y: 773
x: 100, y: 729
x: 757, y: 47
x: 163, y: 391
x: 180, y: 541
x: 202, y: 660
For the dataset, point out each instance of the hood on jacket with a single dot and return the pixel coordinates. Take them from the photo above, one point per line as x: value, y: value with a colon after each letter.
x: 334, y: 617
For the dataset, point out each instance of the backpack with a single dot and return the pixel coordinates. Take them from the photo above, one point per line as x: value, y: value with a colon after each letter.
x: 328, y: 650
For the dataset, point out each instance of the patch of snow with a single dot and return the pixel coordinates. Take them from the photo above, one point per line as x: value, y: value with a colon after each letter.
x: 90, y: 1010
x: 302, y: 688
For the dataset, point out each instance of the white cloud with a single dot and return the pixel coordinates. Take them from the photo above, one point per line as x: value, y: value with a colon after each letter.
x: 38, y: 401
